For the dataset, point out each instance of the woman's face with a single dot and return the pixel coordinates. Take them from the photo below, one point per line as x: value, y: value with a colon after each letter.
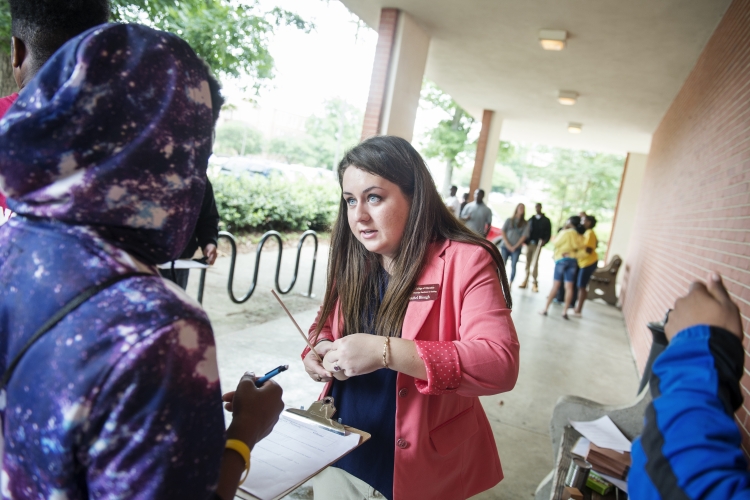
x: 377, y: 211
x: 520, y: 211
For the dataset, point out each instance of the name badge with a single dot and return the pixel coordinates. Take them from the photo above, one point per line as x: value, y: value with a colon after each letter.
x: 424, y: 292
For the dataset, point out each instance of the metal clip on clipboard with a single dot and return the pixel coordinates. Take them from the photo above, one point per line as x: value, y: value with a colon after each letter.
x: 321, y: 413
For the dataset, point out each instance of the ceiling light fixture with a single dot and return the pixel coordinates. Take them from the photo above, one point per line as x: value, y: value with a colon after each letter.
x: 567, y: 97
x: 553, y: 39
x: 575, y: 128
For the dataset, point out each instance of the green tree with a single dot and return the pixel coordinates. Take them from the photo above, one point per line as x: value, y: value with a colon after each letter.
x: 504, y: 179
x: 293, y: 149
x: 449, y: 138
x: 231, y: 36
x: 7, y: 83
x: 237, y: 138
x: 326, y: 138
x: 573, y: 180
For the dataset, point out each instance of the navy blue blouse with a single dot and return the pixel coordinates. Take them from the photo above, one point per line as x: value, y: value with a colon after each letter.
x: 368, y: 402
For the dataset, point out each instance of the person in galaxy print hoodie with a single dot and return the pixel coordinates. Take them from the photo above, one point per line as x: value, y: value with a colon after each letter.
x: 103, y: 158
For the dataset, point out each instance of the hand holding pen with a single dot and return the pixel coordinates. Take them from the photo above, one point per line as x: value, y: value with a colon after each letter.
x: 229, y: 397
x: 268, y: 376
x: 254, y: 410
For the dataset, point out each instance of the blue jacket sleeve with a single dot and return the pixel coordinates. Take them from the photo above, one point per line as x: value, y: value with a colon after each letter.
x: 690, y: 447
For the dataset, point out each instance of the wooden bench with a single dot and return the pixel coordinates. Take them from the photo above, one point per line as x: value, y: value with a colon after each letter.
x: 602, y: 284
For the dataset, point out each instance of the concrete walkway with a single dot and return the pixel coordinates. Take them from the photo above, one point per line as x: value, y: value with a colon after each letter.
x: 588, y: 357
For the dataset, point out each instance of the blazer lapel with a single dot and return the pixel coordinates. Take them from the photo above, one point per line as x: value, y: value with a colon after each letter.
x: 418, y: 310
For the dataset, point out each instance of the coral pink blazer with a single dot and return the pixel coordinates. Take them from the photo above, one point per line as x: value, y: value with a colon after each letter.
x: 444, y: 445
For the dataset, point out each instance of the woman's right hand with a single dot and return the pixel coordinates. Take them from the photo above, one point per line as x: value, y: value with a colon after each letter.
x: 314, y: 367
x: 255, y: 410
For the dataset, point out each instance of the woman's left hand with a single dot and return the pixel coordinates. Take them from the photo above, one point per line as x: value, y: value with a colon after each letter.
x: 357, y: 354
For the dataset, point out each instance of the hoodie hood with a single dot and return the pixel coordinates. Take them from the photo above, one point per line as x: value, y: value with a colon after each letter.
x: 113, y: 133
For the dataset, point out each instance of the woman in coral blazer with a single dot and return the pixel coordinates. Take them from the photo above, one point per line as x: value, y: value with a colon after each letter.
x: 415, y: 325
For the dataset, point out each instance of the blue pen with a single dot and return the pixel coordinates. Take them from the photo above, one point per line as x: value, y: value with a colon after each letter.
x: 268, y: 376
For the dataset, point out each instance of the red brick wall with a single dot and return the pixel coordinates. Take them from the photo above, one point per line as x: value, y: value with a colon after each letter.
x: 694, y: 211
x: 379, y: 79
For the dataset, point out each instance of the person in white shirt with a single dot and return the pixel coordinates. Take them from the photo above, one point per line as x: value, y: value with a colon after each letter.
x: 476, y: 215
x: 453, y: 203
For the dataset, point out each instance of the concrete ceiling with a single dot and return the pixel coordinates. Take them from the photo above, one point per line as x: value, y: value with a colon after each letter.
x: 626, y: 58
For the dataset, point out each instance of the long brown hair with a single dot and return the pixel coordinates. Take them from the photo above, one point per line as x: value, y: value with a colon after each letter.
x: 516, y: 221
x: 353, y: 272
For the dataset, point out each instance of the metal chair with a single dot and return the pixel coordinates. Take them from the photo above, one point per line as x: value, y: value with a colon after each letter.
x: 628, y: 418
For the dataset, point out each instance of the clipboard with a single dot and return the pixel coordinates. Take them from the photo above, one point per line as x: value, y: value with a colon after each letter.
x: 318, y: 416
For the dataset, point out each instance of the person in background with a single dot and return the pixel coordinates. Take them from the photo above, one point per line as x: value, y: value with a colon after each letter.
x: 38, y: 29
x: 587, y: 262
x: 560, y: 297
x: 540, y: 231
x: 464, y: 201
x: 477, y: 215
x: 691, y: 446
x: 415, y: 326
x: 515, y: 233
x: 567, y: 244
x: 123, y: 114
x: 453, y: 203
x: 206, y: 231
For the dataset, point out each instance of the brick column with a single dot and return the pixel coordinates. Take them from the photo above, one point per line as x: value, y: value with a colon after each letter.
x: 398, y: 69
x: 379, y: 79
x: 484, y: 160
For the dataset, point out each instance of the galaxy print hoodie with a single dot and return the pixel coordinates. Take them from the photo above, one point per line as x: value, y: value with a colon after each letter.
x: 103, y: 158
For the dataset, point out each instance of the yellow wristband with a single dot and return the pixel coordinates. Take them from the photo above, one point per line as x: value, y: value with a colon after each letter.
x: 244, y: 451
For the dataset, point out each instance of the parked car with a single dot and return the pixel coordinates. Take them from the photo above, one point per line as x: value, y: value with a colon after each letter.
x: 243, y: 165
x: 496, y: 234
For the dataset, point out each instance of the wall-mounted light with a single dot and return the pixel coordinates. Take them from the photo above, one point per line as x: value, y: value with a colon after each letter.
x: 567, y: 97
x: 553, y: 39
x: 575, y: 128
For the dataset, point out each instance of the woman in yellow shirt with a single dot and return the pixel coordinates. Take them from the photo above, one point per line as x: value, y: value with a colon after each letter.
x: 567, y: 245
x: 588, y: 260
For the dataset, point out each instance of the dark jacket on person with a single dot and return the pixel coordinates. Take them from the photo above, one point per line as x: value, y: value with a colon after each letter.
x: 691, y: 446
x: 541, y: 229
x: 207, y: 228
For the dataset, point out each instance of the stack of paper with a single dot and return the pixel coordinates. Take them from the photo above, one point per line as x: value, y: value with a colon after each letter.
x: 603, y: 433
x: 606, y: 448
x: 610, y: 462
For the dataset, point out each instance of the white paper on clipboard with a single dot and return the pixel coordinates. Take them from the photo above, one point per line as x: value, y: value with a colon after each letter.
x: 294, y: 451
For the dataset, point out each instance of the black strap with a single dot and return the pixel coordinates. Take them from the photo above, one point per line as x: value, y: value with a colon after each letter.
x: 59, y: 315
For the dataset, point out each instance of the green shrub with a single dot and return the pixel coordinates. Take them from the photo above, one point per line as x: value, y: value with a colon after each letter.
x: 258, y: 203
x: 237, y: 138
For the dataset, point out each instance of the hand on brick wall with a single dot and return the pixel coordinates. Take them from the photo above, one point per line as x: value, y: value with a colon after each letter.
x: 705, y: 304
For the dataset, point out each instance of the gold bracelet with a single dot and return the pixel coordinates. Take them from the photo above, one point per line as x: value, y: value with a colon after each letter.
x: 244, y: 451
x: 386, y: 344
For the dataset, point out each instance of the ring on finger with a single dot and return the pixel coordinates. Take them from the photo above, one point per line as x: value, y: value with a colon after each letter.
x: 318, y: 377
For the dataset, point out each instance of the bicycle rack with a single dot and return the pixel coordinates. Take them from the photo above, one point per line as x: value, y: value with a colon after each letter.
x: 270, y: 234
